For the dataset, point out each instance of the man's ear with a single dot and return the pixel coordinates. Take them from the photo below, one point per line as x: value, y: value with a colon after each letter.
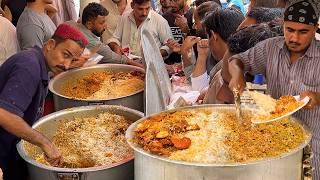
x: 89, y: 24
x: 51, y: 44
x: 214, y: 35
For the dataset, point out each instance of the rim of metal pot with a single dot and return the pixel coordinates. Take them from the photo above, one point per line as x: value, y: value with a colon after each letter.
x: 98, y: 66
x: 30, y: 160
x: 129, y: 135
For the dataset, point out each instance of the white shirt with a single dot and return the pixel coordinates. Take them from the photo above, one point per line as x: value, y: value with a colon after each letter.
x: 8, y: 39
x: 113, y: 17
x: 66, y: 11
x: 127, y: 33
x: 200, y: 82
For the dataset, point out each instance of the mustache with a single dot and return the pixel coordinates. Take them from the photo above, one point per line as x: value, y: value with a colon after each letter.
x: 294, y: 43
x: 62, y: 67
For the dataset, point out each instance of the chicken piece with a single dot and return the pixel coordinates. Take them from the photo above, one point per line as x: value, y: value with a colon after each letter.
x: 181, y: 143
x: 193, y: 127
x: 162, y: 134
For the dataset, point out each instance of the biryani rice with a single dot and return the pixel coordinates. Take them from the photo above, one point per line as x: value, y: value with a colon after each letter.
x: 221, y: 138
x: 105, y: 85
x: 91, y: 141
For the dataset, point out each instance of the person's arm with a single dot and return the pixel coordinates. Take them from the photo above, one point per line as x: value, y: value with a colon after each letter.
x: 225, y: 68
x: 186, y: 48
x: 115, y: 41
x: 314, y: 99
x: 6, y: 13
x: 174, y: 45
x: 253, y: 61
x: 30, y: 35
x: 15, y: 97
x: 182, y: 23
x: 115, y: 47
x: 51, y: 10
x: 71, y: 10
x: 237, y: 81
x: 201, y: 64
x: 165, y: 34
x: 18, y: 127
x: 110, y: 56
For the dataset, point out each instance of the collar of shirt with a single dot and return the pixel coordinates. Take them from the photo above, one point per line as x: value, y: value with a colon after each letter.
x: 131, y: 17
x: 86, y: 31
x: 312, y: 51
x: 43, y: 64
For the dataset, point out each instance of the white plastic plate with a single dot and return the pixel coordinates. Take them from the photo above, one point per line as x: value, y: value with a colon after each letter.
x: 304, y: 102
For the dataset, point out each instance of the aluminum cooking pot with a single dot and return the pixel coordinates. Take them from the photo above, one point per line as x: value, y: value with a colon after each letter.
x: 133, y: 100
x: 287, y: 166
x: 47, y: 125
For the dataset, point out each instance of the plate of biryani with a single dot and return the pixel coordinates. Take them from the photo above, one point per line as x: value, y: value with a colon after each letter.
x: 208, y: 135
x: 268, y: 109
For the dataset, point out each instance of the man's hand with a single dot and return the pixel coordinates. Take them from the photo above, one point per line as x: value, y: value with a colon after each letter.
x: 51, y: 10
x: 134, y: 63
x: 182, y: 23
x: 6, y: 13
x: 237, y: 84
x: 115, y: 48
x: 170, y: 69
x: 203, y: 47
x: 237, y: 81
x: 79, y: 62
x: 314, y: 99
x: 173, y: 45
x: 188, y: 43
x: 52, y: 154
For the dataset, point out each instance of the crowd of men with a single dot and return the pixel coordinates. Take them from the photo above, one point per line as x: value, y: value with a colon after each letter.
x: 220, y: 46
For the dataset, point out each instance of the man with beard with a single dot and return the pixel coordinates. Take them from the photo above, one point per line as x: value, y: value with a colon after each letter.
x: 34, y: 26
x: 164, y: 7
x: 92, y: 26
x: 291, y: 65
x: 116, y: 9
x: 180, y: 22
x: 23, y: 87
x: 199, y: 14
x: 129, y: 29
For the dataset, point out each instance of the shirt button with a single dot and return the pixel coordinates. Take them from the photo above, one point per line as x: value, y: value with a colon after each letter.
x: 291, y: 81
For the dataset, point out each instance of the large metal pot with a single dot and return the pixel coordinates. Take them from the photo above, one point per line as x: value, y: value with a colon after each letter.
x: 47, y: 125
x: 133, y: 100
x: 148, y: 166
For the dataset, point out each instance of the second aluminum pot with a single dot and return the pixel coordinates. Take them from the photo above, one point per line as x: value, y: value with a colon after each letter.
x: 133, y: 100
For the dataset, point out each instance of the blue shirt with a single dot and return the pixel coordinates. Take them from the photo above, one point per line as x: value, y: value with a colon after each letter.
x: 23, y: 88
x: 239, y: 4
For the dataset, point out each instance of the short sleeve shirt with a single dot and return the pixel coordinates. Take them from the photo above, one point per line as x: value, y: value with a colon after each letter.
x: 23, y: 88
x: 33, y: 29
x: 176, y: 31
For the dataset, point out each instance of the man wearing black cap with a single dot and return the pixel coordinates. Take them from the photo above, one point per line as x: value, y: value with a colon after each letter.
x: 291, y: 65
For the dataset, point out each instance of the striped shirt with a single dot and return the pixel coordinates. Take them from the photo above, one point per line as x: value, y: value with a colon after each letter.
x: 271, y: 58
